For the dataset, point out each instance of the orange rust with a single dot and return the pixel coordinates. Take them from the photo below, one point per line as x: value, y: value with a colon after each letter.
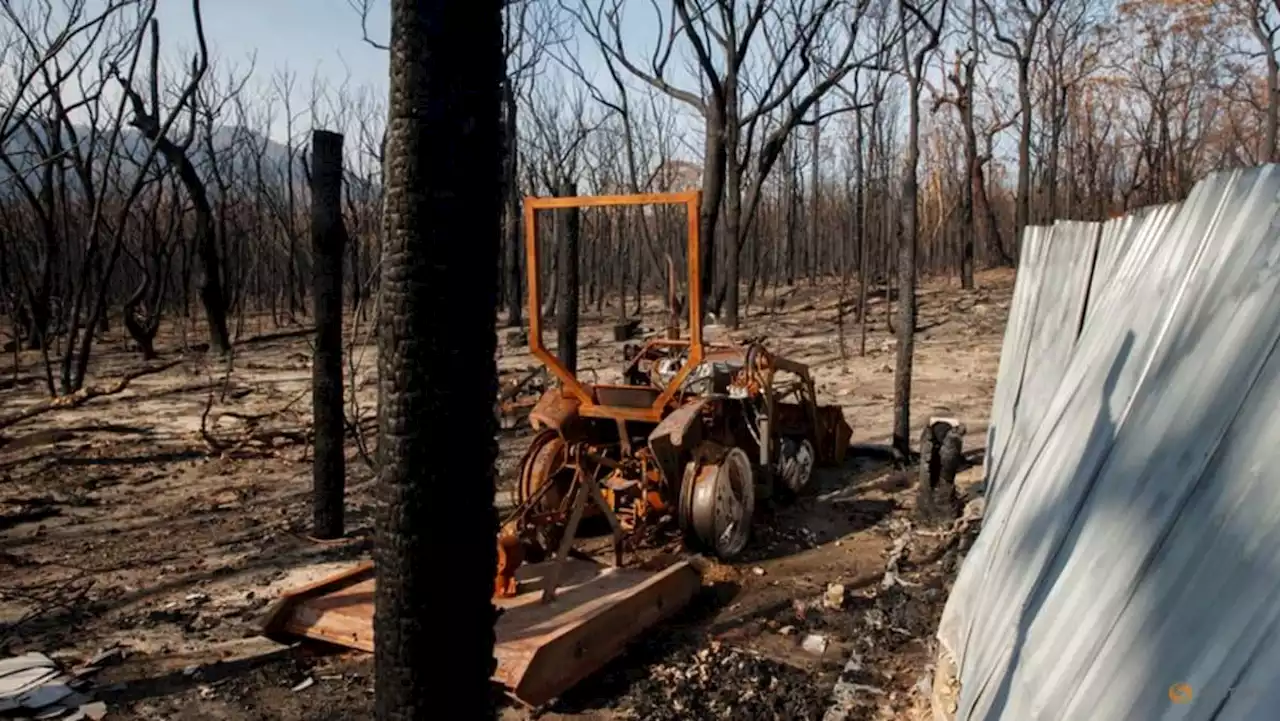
x: 574, y: 388
x: 553, y: 410
x: 510, y: 557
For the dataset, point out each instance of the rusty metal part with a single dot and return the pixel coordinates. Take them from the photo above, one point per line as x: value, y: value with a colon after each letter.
x: 543, y: 460
x: 554, y: 410
x: 719, y: 501
x: 832, y: 435
x: 510, y: 557
x: 671, y: 440
x: 592, y: 405
x: 587, y: 465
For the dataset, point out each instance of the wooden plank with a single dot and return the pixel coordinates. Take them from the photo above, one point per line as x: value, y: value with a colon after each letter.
x: 542, y: 649
x: 343, y: 616
x: 280, y: 618
x: 587, y: 637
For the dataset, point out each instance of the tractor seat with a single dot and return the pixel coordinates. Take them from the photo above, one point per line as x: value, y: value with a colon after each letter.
x: 625, y: 396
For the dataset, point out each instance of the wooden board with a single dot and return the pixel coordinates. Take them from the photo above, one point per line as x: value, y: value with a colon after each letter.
x: 542, y: 649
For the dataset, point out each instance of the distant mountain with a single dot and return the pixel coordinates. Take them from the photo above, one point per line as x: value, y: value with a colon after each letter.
x: 241, y: 154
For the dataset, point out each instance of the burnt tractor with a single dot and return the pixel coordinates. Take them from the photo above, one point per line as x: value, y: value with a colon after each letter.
x: 692, y: 438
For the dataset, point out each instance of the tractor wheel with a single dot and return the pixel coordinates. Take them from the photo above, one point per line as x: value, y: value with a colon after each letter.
x: 717, y: 501
x: 796, y: 459
x: 543, y: 462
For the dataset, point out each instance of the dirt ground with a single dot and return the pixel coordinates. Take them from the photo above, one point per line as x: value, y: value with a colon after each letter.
x: 164, y: 518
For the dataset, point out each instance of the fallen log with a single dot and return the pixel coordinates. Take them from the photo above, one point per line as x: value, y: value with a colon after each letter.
x: 84, y: 395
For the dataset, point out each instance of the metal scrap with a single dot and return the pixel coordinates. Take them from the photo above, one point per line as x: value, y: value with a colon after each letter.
x: 35, y: 686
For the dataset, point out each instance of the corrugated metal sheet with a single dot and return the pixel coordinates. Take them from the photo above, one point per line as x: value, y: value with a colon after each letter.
x: 1130, y: 541
x: 1066, y: 263
x: 1017, y: 338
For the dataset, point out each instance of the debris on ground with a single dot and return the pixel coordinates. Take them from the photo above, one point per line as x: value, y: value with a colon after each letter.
x: 901, y: 544
x: 35, y: 686
x: 834, y: 597
x: 720, y: 681
x: 815, y: 644
x: 163, y: 523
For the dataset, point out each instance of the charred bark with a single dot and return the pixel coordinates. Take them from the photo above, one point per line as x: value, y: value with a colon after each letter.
x: 328, y: 238
x: 815, y: 153
x: 514, y: 279
x: 861, y: 216
x: 732, y: 214
x: 713, y: 176
x: 909, y: 220
x: 212, y: 297
x: 941, y: 455
x: 437, y: 375
x: 142, y: 322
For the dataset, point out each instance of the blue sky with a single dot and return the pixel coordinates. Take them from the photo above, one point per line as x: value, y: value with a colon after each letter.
x: 306, y: 36
x: 310, y: 37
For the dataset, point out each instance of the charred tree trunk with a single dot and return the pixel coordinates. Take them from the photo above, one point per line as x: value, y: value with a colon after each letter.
x: 986, y: 212
x: 732, y: 217
x: 815, y: 141
x: 212, y: 296
x: 1057, y: 122
x: 136, y: 322
x: 436, y: 360
x: 291, y: 280
x: 328, y: 236
x: 712, y: 193
x: 941, y: 455
x: 568, y: 226
x: 1023, y: 200
x: 1270, y: 148
x: 908, y: 231
x: 211, y: 293
x: 973, y: 166
x: 357, y: 291
x: 906, y: 321
x: 861, y: 216
x: 789, y: 211
x: 514, y: 279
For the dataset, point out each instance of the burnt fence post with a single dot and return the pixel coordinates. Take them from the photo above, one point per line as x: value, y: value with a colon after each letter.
x: 328, y: 237
x: 941, y: 457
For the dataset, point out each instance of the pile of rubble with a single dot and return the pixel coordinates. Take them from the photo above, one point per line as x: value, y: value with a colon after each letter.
x: 721, y: 681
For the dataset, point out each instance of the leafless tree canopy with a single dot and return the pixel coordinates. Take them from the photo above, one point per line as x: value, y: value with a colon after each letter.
x: 144, y: 183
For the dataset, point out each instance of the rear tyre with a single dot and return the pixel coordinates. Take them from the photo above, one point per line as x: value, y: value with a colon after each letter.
x: 717, y: 504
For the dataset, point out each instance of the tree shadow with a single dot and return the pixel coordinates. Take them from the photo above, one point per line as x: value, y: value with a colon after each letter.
x: 1102, y: 434
x: 833, y: 506
x: 151, y: 457
x: 58, y: 626
x: 180, y: 680
x: 32, y: 511
x: 675, y: 634
x: 1139, y: 554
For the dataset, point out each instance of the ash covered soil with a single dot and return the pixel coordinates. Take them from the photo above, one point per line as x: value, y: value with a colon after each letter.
x: 163, y: 519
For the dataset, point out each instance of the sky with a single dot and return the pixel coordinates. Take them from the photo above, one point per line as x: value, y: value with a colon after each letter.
x: 307, y: 36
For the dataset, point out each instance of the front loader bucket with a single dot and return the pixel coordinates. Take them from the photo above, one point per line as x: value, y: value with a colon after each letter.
x: 542, y: 649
